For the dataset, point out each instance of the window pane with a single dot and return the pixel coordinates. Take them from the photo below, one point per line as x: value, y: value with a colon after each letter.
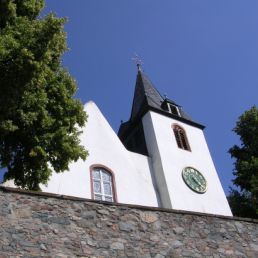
x: 107, y: 189
x: 96, y: 187
x: 102, y: 184
x: 108, y: 199
x: 181, y: 138
x: 177, y: 136
x: 97, y: 197
x: 173, y: 109
x: 183, y: 141
x: 96, y: 174
x: 106, y: 176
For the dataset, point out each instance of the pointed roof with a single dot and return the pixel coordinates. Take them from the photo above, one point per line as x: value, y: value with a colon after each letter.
x: 146, y: 98
x: 144, y: 94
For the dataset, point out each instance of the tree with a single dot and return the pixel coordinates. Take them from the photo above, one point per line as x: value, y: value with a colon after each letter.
x: 244, y: 200
x: 39, y: 118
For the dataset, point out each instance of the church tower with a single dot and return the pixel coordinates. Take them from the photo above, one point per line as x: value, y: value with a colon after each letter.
x: 182, y: 169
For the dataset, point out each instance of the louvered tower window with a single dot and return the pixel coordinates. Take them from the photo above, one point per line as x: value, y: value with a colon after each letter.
x: 173, y: 109
x: 102, y: 184
x: 181, y: 138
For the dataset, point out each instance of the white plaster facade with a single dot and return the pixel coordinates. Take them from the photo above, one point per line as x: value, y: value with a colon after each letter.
x: 133, y: 180
x: 149, y: 180
x: 169, y: 161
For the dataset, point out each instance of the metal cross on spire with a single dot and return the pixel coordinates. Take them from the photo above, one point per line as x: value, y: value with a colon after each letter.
x: 138, y: 61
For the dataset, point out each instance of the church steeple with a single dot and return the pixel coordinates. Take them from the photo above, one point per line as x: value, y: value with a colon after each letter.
x: 145, y: 94
x: 147, y: 98
x: 177, y: 150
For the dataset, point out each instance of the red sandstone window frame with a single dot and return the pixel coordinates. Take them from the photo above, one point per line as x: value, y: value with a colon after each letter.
x: 181, y: 137
x: 113, y: 181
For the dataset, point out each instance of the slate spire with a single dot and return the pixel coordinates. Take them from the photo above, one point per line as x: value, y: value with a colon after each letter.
x: 147, y: 98
x: 145, y: 94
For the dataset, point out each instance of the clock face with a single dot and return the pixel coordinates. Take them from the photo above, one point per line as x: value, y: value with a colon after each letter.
x: 194, y: 180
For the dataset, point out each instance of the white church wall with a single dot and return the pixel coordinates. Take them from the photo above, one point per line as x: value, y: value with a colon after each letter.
x: 157, y: 168
x: 174, y: 159
x: 136, y: 175
x: 131, y: 170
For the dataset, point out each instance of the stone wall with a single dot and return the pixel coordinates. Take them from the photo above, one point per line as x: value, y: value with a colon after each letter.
x: 46, y: 225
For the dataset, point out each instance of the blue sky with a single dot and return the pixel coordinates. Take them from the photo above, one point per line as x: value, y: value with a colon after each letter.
x: 202, y: 54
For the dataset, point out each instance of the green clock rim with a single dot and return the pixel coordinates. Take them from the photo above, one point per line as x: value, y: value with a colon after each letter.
x: 206, y: 183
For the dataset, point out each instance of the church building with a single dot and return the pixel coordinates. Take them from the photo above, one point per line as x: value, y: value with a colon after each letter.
x: 159, y: 158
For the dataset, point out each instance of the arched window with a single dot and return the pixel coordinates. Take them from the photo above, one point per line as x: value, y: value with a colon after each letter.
x: 102, y: 184
x: 181, y: 138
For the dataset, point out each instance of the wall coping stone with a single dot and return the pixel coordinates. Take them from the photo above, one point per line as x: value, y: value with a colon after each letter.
x: 132, y: 206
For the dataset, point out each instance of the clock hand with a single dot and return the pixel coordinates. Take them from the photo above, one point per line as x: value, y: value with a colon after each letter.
x: 196, y: 181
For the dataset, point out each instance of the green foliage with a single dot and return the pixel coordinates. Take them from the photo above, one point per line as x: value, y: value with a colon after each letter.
x: 11, y: 9
x: 242, y: 204
x: 39, y: 118
x: 246, y: 164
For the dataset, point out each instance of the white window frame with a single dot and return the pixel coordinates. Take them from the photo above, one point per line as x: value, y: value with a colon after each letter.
x: 102, y: 196
x: 169, y: 105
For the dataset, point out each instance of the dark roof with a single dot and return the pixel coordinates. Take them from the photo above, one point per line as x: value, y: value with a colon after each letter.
x: 145, y: 93
x: 147, y: 97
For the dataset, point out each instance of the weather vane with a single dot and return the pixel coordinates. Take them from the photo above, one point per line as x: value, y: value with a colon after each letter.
x: 138, y: 61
